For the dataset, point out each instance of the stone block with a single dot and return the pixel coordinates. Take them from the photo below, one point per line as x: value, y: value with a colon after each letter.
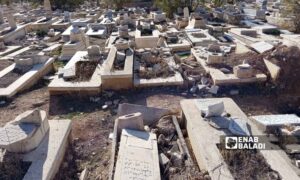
x: 93, y: 51
x: 243, y: 71
x: 24, y: 133
x: 132, y: 121
x: 163, y: 159
x: 215, y: 58
x: 249, y: 32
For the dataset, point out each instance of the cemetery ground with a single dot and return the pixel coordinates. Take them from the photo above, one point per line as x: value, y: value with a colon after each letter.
x: 90, y: 146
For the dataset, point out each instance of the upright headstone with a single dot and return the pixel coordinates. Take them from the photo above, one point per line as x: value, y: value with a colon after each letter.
x: 48, y: 9
x: 67, y: 17
x: 47, y: 5
x: 109, y: 14
x: 186, y: 12
x: 11, y: 21
x: 264, y: 5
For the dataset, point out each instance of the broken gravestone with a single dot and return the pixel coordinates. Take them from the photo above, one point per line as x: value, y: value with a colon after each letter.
x: 25, y: 132
x: 132, y: 121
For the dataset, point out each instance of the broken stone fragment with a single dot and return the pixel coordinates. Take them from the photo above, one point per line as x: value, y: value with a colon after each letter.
x: 176, y: 159
x: 131, y: 121
x: 238, y: 127
x: 214, y: 89
x: 243, y: 71
x: 161, y: 140
x: 163, y: 159
x: 214, y: 110
x: 120, y: 56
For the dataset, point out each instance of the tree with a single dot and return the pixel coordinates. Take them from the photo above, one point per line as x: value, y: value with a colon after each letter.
x: 168, y: 6
x: 292, y: 9
x: 218, y: 3
x: 117, y: 3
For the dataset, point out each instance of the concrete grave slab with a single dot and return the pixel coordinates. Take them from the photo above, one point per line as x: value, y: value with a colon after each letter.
x: 9, y: 49
x: 118, y: 79
x: 207, y: 154
x: 47, y: 157
x: 24, y: 133
x: 16, y: 53
x: 27, y: 80
x: 133, y: 145
x: 60, y: 86
x: 261, y: 47
x: 264, y: 122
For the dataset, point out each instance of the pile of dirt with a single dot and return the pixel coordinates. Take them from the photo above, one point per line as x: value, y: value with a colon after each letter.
x: 248, y: 164
x: 4, y: 64
x: 10, y: 77
x: 85, y: 70
x: 12, y: 167
x: 288, y: 59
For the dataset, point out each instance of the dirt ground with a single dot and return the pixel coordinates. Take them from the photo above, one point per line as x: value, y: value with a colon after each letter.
x: 90, y: 146
x: 4, y: 64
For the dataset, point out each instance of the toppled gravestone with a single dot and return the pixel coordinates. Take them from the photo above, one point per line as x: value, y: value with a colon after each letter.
x: 132, y: 121
x: 150, y: 114
x: 25, y: 132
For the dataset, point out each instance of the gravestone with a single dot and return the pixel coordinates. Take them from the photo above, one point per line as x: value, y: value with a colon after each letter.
x: 67, y: 17
x: 11, y: 21
x: 138, y: 156
x: 186, y: 12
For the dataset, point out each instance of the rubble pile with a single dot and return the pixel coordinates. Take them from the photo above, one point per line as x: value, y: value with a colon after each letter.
x: 173, y: 160
x: 190, y: 68
x: 154, y: 64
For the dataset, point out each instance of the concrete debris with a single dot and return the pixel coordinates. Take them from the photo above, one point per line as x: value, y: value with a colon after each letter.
x: 214, y: 89
x: 130, y: 121
x: 163, y: 159
x: 150, y: 114
x: 214, y: 110
x: 238, y: 127
x: 83, y: 174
